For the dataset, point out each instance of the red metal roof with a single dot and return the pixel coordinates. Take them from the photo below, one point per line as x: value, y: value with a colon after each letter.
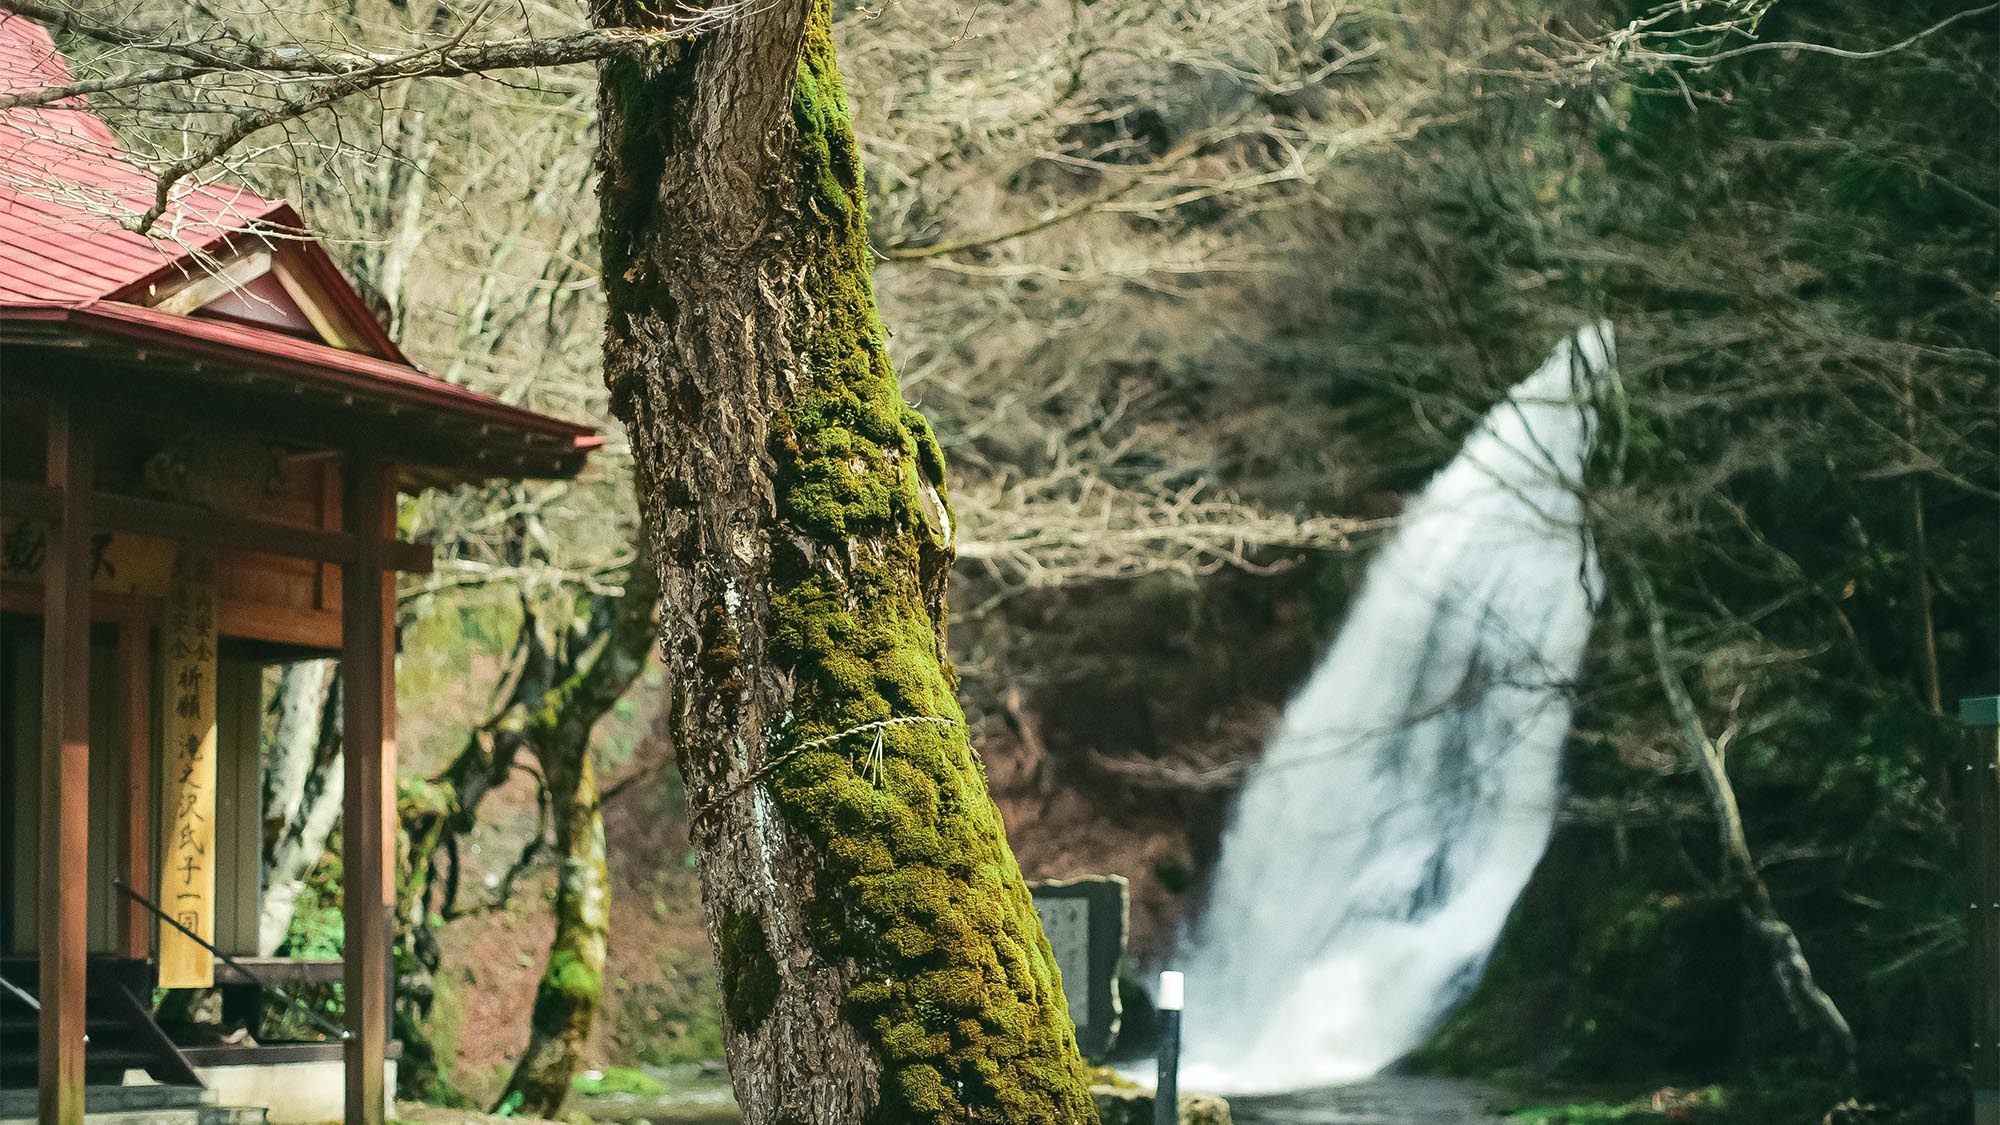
x: 311, y: 363
x: 64, y: 180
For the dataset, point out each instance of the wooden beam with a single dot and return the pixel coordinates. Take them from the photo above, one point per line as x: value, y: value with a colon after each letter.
x: 64, y: 884
x: 190, y: 524
x: 222, y: 529
x: 194, y: 291
x: 26, y: 599
x: 332, y: 326
x: 306, y: 628
x: 254, y: 621
x: 256, y: 402
x: 281, y: 970
x: 368, y: 822
x: 135, y: 710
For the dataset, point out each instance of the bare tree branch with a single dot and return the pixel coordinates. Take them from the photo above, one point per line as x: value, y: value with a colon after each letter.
x: 1644, y: 55
x: 451, y: 57
x: 306, y: 81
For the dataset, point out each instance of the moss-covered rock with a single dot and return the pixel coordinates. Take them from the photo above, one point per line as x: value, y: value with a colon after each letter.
x: 1123, y: 1105
x: 617, y: 1080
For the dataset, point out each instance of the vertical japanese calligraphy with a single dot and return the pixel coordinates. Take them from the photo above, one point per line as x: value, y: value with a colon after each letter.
x: 187, y: 775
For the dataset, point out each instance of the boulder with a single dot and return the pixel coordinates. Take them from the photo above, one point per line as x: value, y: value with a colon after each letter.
x: 1123, y: 1106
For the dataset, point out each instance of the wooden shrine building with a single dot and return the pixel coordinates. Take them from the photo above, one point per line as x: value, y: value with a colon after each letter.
x: 202, y: 442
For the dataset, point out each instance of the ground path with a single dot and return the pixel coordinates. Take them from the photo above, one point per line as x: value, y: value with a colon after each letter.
x: 1387, y: 1100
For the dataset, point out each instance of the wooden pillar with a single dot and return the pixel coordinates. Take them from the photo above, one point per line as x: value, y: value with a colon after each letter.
x: 1981, y: 720
x: 368, y: 741
x: 135, y: 709
x: 64, y: 880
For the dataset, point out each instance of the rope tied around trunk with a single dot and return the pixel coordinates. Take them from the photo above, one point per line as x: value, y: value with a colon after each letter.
x: 872, y: 766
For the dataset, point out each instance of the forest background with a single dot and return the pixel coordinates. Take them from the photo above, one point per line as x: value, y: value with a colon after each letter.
x: 1193, y: 297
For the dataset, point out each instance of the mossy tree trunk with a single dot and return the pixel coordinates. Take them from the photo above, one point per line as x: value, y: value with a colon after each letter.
x: 568, y: 676
x: 599, y: 672
x: 572, y: 983
x: 880, y: 956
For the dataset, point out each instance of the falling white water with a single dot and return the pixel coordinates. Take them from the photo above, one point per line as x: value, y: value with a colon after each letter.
x: 1410, y: 788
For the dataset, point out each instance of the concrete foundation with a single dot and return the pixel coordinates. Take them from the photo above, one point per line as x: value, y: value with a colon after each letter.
x: 291, y: 1093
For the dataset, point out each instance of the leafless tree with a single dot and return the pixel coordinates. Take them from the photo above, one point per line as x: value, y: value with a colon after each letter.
x: 302, y: 790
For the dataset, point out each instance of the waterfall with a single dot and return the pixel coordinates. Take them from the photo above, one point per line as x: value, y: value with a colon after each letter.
x: 1410, y: 788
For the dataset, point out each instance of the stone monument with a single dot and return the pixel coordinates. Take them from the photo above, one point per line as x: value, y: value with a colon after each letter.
x: 1086, y: 921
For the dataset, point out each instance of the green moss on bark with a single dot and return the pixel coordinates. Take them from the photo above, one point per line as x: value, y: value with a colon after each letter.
x: 749, y: 974
x: 958, y: 991
x: 640, y: 136
x: 569, y: 975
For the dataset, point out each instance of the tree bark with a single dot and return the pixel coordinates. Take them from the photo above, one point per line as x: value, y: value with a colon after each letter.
x: 881, y: 958
x: 302, y: 791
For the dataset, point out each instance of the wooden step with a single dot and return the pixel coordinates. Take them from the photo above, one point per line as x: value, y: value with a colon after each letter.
x: 119, y: 1105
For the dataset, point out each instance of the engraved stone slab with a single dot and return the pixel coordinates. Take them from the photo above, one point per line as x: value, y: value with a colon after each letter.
x: 1086, y: 921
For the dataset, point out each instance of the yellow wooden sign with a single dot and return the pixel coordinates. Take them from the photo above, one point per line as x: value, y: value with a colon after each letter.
x: 187, y: 776
x: 119, y: 563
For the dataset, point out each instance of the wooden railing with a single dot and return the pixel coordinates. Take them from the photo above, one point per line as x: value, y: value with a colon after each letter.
x: 247, y: 973
x: 20, y: 994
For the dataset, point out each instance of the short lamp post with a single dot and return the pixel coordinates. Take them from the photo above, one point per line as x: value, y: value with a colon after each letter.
x: 1980, y: 718
x: 1166, y: 1092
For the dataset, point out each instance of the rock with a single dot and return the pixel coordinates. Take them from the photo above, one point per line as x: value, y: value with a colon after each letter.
x: 1120, y: 1106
